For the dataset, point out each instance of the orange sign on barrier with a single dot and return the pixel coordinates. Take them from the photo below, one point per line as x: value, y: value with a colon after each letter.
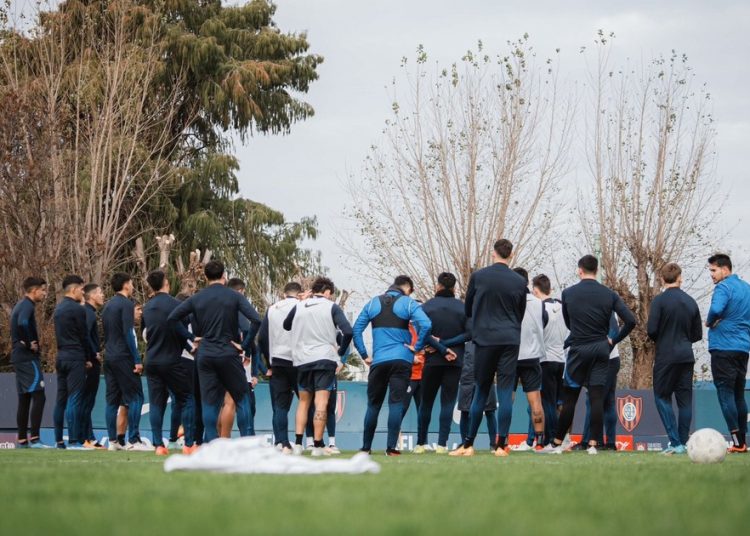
x: 623, y: 442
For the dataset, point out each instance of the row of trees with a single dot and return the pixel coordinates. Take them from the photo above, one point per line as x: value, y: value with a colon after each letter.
x: 484, y: 147
x: 115, y: 117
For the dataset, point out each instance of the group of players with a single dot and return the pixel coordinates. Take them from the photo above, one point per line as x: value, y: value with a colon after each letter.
x: 204, y: 352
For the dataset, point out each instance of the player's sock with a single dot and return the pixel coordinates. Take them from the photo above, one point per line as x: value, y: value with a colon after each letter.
x: 319, y: 444
x: 298, y: 439
x: 121, y: 439
x: 502, y: 442
x: 310, y: 442
x: 539, y: 436
x: 331, y: 441
x: 742, y: 438
x: 468, y: 443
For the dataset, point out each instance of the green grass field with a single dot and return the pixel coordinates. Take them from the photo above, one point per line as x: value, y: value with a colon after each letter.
x: 53, y: 492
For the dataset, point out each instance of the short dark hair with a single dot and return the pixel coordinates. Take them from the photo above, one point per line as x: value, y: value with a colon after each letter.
x: 721, y: 260
x: 670, y: 272
x: 213, y: 270
x: 589, y: 264
x: 321, y: 284
x: 523, y: 273
x: 447, y: 279
x: 542, y: 283
x: 30, y: 283
x: 403, y: 280
x: 504, y: 248
x: 118, y: 281
x: 89, y: 288
x: 71, y: 280
x: 236, y: 284
x: 155, y: 280
x: 292, y: 287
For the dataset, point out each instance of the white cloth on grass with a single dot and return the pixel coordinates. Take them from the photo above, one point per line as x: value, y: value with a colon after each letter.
x: 253, y: 455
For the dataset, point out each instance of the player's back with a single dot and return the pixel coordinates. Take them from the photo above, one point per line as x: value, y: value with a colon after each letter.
x: 70, y: 330
x: 588, y: 307
x: 532, y: 330
x: 163, y: 343
x: 675, y: 324
x: 313, y: 331
x: 280, y: 340
x: 23, y: 330
x: 448, y: 317
x: 215, y: 309
x: 116, y: 315
x: 496, y: 301
x: 555, y: 332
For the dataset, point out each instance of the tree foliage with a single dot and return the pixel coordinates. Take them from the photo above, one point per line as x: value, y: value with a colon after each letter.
x: 130, y: 106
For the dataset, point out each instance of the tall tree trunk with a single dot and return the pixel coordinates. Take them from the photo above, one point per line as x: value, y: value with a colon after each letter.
x: 643, y: 359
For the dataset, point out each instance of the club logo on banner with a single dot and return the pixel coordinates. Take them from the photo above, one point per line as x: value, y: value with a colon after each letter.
x: 340, y: 403
x: 629, y: 411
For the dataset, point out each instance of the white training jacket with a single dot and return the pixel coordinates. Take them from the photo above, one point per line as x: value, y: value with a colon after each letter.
x: 555, y: 332
x: 532, y: 330
x: 280, y: 340
x: 314, y: 332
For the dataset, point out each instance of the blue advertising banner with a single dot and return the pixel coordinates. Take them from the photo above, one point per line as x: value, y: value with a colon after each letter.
x: 638, y: 420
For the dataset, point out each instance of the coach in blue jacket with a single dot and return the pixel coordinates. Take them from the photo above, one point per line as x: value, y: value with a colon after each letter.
x: 392, y: 355
x: 728, y: 324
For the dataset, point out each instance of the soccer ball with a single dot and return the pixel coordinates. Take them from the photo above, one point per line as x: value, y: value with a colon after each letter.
x: 707, y: 446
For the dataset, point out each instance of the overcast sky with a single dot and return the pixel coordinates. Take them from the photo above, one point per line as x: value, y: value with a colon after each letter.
x: 363, y: 42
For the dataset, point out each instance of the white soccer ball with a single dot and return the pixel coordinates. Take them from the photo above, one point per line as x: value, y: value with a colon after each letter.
x: 707, y: 446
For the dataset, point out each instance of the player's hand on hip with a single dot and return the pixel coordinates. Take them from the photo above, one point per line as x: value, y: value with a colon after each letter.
x: 368, y: 361
x: 450, y: 355
x: 138, y: 369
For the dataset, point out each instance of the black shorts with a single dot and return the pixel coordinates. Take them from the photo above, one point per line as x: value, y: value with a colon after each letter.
x: 729, y: 369
x: 490, y: 360
x: 670, y: 378
x: 587, y: 364
x: 123, y: 385
x: 163, y: 378
x: 219, y: 375
x: 283, y: 386
x: 29, y: 377
x: 529, y: 374
x: 321, y: 377
x: 391, y: 376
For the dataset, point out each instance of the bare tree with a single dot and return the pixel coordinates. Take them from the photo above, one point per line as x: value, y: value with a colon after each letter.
x: 122, y: 144
x: 649, y: 144
x: 473, y: 154
x: 113, y: 155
